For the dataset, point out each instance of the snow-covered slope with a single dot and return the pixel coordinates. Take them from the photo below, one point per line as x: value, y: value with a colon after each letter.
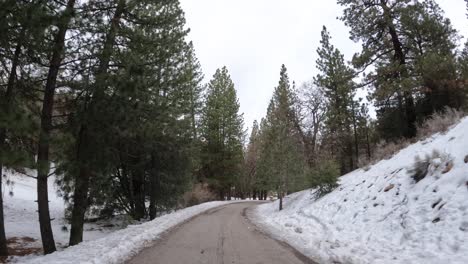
x: 381, y: 215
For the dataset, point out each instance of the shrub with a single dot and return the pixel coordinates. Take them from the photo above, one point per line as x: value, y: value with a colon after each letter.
x: 420, y: 168
x: 200, y: 193
x: 324, y: 177
x: 386, y: 150
x: 439, y: 122
x: 431, y: 163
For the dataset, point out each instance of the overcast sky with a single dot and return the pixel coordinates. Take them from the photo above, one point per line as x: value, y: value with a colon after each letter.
x: 254, y: 37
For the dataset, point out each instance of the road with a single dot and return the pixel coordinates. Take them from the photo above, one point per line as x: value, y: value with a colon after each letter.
x: 221, y: 235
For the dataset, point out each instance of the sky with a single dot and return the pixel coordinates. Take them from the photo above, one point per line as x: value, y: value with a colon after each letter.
x: 253, y: 38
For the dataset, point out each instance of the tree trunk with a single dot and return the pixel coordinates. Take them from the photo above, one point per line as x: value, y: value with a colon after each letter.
x: 76, y: 233
x: 410, y: 115
x: 154, y: 182
x: 281, y: 200
x: 8, y: 99
x: 43, y: 161
x: 139, y: 196
x: 3, y: 240
x: 356, y: 138
x: 80, y: 204
x: 368, y: 144
x: 221, y: 195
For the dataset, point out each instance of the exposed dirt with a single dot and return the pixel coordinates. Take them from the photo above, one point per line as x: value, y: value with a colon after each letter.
x: 21, y: 246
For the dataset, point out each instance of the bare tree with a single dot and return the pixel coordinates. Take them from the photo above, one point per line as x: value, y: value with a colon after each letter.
x: 312, y: 110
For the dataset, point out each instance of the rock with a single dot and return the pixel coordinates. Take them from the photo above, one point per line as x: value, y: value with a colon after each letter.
x: 464, y: 227
x: 298, y: 230
x: 466, y: 159
x: 388, y: 188
x: 436, y: 203
x: 448, y: 167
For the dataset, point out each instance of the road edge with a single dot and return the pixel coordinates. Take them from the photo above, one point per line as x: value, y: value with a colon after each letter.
x: 247, y: 213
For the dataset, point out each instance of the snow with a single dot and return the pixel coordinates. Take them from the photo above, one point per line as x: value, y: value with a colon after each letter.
x: 121, y: 245
x: 105, y: 241
x: 367, y: 220
x: 21, y: 218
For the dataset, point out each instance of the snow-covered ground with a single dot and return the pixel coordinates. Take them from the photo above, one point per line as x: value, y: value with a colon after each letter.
x: 105, y: 241
x: 21, y: 218
x: 381, y: 215
x: 121, y: 245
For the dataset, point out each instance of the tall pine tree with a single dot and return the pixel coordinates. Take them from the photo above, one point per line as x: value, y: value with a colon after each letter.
x: 282, y: 157
x: 403, y: 42
x: 222, y: 129
x: 336, y: 81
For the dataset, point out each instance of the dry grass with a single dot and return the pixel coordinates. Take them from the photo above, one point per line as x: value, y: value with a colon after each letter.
x: 200, y: 193
x: 386, y: 150
x: 440, y: 122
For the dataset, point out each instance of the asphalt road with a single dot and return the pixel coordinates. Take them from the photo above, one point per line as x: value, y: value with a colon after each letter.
x: 221, y: 235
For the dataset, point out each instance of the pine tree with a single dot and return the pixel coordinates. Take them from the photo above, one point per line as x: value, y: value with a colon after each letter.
x: 21, y: 27
x: 371, y: 23
x: 432, y: 40
x: 403, y: 41
x: 263, y: 168
x: 251, y: 158
x: 336, y: 80
x: 222, y: 128
x: 133, y: 128
x: 43, y: 148
x: 282, y: 155
x: 462, y: 74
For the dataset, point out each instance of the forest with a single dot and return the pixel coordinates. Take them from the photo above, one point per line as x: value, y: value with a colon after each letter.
x: 110, y: 98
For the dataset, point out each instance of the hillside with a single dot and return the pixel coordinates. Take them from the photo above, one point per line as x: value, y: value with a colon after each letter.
x: 380, y: 214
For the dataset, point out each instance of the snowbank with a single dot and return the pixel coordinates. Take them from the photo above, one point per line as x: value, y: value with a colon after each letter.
x: 121, y: 245
x: 382, y: 215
